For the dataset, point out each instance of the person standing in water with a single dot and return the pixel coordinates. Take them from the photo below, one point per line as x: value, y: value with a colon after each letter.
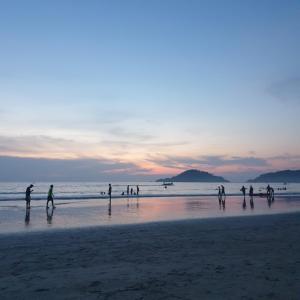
x: 137, y: 190
x: 127, y: 190
x: 29, y: 190
x: 50, y: 196
x: 109, y: 191
x: 251, y: 191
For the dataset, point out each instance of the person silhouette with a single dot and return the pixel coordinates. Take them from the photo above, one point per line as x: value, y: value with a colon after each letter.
x: 251, y: 191
x: 223, y: 191
x: 127, y: 190
x: 243, y: 190
x: 50, y: 196
x: 109, y: 191
x: 219, y: 195
x: 137, y: 189
x: 28, y: 192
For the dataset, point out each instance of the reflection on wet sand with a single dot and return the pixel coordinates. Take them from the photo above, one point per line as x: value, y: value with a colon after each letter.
x: 140, y: 210
x: 133, y: 206
x: 27, y: 216
x: 109, y: 207
x: 49, y: 214
x: 244, y: 203
x: 251, y: 203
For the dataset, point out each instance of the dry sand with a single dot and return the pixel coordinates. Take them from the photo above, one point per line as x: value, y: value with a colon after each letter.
x: 227, y: 258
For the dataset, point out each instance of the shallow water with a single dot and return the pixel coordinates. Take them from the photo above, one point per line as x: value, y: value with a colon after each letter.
x: 84, y: 213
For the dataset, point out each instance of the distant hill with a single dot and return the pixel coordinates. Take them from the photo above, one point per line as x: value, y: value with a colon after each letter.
x: 280, y: 176
x: 194, y: 176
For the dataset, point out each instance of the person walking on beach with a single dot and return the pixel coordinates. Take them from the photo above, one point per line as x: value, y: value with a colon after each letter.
x: 131, y: 191
x: 29, y: 190
x: 127, y: 190
x: 109, y: 191
x: 50, y: 196
x: 243, y: 190
x: 137, y: 190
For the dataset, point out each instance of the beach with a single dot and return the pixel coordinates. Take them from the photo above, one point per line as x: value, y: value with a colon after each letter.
x: 249, y: 257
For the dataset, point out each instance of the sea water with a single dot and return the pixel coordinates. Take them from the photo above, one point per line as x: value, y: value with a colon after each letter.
x: 92, y: 190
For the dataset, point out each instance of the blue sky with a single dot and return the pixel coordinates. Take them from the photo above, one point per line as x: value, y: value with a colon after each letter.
x: 157, y: 85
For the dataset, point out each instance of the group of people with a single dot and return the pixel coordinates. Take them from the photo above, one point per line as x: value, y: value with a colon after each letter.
x: 251, y: 191
x: 132, y: 192
x: 50, y: 197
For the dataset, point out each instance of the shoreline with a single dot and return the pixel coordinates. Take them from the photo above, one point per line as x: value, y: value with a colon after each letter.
x: 222, y: 258
x: 141, y: 196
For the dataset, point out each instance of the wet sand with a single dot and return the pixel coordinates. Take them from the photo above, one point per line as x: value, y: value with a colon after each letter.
x: 253, y: 257
x: 87, y: 213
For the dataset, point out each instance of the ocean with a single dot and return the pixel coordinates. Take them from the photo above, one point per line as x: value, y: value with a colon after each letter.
x: 92, y: 190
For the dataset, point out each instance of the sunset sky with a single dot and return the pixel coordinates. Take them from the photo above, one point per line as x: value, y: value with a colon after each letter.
x: 143, y: 89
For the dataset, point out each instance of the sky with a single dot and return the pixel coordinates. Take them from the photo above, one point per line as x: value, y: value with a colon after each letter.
x: 134, y: 90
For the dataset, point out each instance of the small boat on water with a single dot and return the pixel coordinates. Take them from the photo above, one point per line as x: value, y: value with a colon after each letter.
x: 168, y: 183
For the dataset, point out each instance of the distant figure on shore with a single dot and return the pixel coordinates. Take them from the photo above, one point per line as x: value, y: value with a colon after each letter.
x: 268, y: 190
x: 109, y: 191
x: 127, y: 190
x: 251, y: 191
x: 131, y: 191
x: 243, y: 190
x: 223, y: 191
x: 50, y: 196
x: 137, y: 190
x: 29, y: 190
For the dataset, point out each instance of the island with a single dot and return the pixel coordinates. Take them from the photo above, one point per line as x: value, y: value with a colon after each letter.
x: 193, y: 176
x: 279, y: 176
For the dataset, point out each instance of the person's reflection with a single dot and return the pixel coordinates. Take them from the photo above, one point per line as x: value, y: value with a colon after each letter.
x: 109, y: 207
x: 49, y: 212
x: 269, y: 201
x: 244, y: 204
x: 223, y: 204
x: 137, y: 203
x: 27, y: 216
x: 251, y: 203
